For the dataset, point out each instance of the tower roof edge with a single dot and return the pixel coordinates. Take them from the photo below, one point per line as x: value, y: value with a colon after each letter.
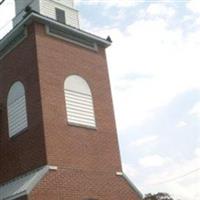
x: 36, y: 17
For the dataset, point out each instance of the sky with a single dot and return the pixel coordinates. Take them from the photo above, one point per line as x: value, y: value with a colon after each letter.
x: 154, y: 67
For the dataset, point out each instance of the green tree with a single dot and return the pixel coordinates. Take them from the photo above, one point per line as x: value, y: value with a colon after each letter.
x: 158, y: 196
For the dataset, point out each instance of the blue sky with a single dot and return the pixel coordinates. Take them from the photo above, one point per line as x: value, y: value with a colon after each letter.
x: 154, y: 66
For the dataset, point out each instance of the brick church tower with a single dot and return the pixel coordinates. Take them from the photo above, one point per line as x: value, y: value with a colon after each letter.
x: 58, y: 136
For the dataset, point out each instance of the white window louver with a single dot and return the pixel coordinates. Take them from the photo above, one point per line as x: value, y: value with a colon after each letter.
x: 79, y: 102
x: 16, y: 108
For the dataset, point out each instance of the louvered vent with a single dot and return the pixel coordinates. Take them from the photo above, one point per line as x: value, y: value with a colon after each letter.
x: 17, y: 114
x: 60, y: 16
x: 79, y: 103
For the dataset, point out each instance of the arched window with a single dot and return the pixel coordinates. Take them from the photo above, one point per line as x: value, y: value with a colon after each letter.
x: 16, y: 107
x: 79, y: 103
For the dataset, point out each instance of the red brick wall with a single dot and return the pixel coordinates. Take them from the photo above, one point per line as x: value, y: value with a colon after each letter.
x: 25, y: 151
x: 87, y: 159
x: 73, y: 184
x: 70, y: 146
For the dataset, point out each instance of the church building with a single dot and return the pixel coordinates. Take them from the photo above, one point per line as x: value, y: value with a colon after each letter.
x: 58, y: 138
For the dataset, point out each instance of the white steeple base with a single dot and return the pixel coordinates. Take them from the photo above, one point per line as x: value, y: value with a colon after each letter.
x: 55, y: 9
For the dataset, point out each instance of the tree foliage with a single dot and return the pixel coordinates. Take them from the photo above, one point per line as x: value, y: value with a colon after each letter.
x: 158, y: 196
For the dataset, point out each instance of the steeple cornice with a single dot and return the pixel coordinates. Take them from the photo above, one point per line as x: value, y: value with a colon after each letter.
x: 54, y: 28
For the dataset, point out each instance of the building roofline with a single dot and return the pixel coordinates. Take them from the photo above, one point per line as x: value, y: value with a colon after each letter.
x: 36, y: 17
x: 22, y: 185
x: 132, y: 185
x: 126, y: 178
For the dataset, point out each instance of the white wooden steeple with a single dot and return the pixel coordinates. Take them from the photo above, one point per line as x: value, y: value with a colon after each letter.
x: 60, y: 10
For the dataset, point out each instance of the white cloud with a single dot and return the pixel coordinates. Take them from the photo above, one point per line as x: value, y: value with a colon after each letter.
x: 197, y: 21
x: 194, y: 6
x: 110, y: 3
x: 130, y: 170
x: 195, y: 110
x: 150, y: 47
x: 145, y: 140
x: 152, y: 161
x: 181, y: 124
x: 197, y: 152
x: 171, y: 58
x: 187, y: 18
x: 181, y: 179
x: 120, y: 15
x: 160, y: 10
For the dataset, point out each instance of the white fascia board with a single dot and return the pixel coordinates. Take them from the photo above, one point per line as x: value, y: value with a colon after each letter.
x: 33, y: 16
x: 43, y: 19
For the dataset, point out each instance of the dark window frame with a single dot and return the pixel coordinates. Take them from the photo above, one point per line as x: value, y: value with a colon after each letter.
x: 60, y: 15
